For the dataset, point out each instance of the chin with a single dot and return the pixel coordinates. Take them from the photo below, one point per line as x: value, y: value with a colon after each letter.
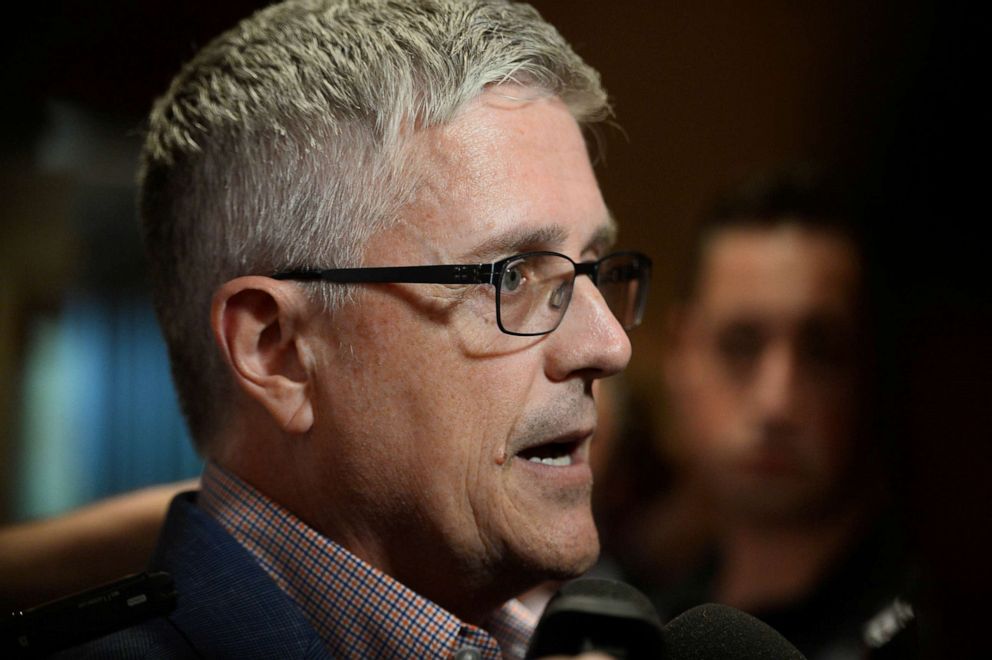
x: 565, y: 556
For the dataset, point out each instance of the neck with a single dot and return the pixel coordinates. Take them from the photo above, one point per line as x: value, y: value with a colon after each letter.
x: 765, y: 565
x: 386, y: 539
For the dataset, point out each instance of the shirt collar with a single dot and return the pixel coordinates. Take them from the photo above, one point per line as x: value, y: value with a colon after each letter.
x: 357, y: 610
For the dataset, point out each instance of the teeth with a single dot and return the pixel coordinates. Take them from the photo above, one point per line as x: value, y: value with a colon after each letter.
x: 561, y: 461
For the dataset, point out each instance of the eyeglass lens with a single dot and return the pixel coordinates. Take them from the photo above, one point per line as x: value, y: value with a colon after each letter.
x: 535, y: 291
x: 622, y: 281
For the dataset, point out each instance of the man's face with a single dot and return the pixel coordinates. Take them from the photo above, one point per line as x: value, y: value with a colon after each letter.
x: 763, y: 376
x: 433, y: 422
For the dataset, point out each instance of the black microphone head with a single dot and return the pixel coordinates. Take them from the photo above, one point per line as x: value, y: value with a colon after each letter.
x: 718, y: 632
x: 592, y: 614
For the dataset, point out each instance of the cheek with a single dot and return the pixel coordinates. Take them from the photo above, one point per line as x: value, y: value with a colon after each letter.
x: 429, y: 387
x: 452, y: 410
x: 709, y: 406
x: 832, y: 423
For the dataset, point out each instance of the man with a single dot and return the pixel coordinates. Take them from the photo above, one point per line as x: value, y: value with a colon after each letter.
x: 767, y: 383
x: 366, y: 222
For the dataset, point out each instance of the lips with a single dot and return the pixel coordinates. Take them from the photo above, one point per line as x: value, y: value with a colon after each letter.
x: 558, y: 454
x: 567, y: 450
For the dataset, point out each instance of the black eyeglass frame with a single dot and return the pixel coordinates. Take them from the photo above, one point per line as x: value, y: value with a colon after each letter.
x: 491, y: 273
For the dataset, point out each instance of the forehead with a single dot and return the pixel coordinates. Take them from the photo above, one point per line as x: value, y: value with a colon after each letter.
x: 510, y: 173
x: 786, y: 271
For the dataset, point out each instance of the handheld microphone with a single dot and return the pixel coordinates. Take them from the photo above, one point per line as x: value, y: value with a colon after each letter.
x: 719, y: 632
x: 614, y: 618
x: 592, y: 614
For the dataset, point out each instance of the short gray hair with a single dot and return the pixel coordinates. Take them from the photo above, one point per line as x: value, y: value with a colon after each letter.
x: 281, y: 144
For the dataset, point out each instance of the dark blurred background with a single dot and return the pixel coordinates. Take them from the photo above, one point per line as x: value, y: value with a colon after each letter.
x: 704, y: 93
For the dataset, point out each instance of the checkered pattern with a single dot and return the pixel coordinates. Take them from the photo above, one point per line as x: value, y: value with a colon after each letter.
x: 357, y: 610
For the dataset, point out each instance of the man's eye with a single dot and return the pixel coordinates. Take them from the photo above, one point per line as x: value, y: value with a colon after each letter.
x: 512, y: 280
x: 739, y: 347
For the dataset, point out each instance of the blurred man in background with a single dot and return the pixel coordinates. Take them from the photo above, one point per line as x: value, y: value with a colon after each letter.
x: 767, y: 378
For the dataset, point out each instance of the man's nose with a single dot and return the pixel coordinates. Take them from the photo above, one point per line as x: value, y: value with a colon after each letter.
x: 775, y: 389
x: 589, y: 340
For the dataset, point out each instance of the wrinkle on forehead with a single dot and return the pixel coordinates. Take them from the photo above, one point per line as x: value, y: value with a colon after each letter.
x: 547, y: 237
x: 467, y: 164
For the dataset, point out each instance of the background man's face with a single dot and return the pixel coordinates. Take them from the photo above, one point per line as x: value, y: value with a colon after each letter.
x: 763, y: 376
x: 432, y: 412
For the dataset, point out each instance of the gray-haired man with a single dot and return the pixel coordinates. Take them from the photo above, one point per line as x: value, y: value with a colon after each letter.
x: 366, y: 222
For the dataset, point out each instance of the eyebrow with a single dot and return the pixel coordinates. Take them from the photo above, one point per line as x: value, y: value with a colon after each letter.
x: 523, y: 239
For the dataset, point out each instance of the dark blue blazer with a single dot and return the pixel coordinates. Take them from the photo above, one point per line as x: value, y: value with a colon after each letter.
x: 226, y: 605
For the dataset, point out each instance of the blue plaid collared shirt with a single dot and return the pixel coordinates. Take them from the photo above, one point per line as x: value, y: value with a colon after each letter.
x: 357, y: 610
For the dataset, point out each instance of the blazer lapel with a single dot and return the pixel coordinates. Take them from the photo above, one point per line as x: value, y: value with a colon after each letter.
x: 227, y: 606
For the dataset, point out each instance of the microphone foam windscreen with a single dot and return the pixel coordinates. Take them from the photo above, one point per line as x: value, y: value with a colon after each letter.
x: 718, y: 632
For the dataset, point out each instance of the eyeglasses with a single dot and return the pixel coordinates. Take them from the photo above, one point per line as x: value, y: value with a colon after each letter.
x: 533, y: 289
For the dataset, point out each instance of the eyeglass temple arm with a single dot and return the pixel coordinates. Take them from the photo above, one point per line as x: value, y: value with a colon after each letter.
x: 447, y: 274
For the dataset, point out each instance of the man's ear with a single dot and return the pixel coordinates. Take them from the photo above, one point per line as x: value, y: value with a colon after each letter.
x: 257, y: 323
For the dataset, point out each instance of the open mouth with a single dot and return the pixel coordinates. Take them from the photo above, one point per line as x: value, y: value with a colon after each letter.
x: 557, y: 454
